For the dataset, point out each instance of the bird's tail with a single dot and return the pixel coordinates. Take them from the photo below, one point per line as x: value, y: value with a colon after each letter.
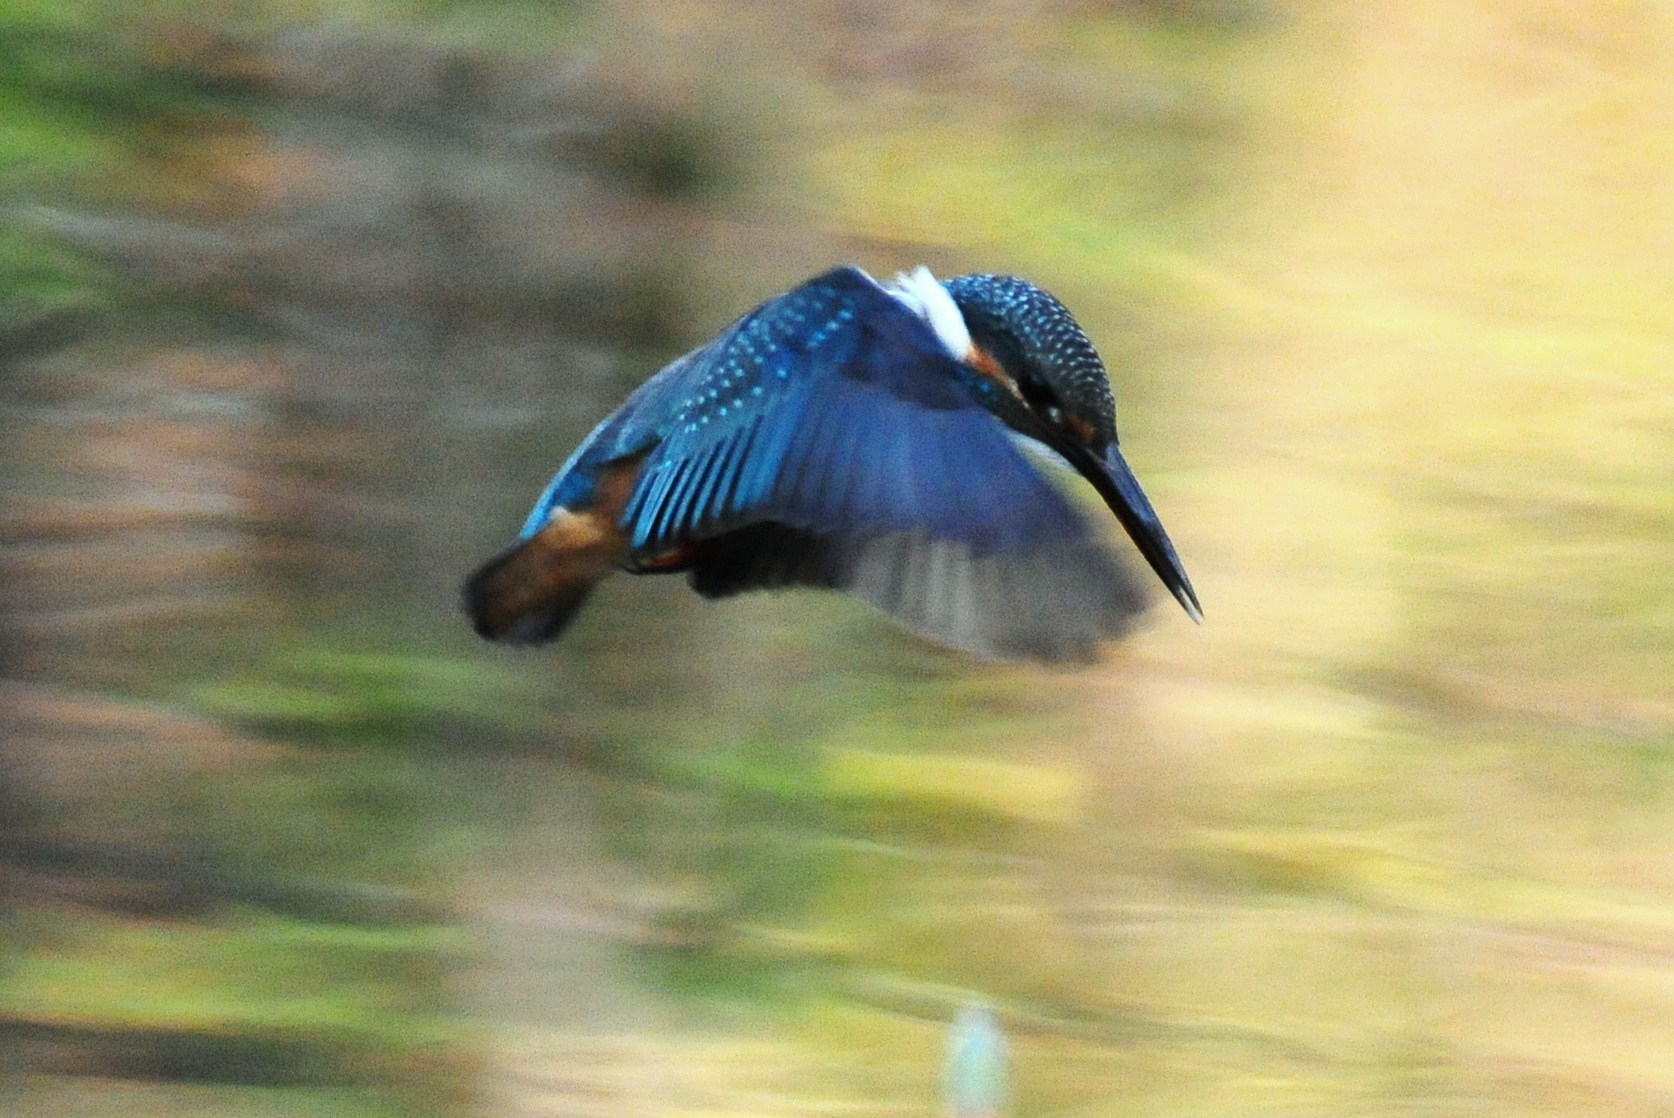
x: 531, y: 591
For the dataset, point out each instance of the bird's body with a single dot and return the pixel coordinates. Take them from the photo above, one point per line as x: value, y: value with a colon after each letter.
x: 859, y: 437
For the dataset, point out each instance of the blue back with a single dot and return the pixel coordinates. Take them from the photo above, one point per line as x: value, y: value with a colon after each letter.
x: 832, y: 409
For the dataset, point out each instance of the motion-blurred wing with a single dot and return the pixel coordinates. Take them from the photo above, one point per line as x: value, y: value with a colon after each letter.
x: 1056, y: 602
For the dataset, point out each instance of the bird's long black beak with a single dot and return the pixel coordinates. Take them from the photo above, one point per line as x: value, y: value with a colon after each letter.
x: 1109, y: 474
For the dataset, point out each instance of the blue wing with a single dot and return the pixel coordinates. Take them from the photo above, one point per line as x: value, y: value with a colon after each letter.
x: 834, y: 409
x: 828, y: 439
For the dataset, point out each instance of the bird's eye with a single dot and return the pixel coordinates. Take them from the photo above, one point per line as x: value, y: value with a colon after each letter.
x: 1038, y: 395
x: 1041, y: 400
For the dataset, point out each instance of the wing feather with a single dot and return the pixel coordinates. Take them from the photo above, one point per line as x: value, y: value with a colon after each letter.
x: 828, y: 439
x: 1054, y: 604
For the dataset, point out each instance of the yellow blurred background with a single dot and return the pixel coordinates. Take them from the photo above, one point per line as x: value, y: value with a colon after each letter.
x: 1385, y: 292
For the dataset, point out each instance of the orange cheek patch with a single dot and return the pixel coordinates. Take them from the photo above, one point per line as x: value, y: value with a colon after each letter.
x: 1079, y: 428
x: 983, y: 362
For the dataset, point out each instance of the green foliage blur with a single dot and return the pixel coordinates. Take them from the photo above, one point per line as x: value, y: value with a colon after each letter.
x: 91, y: 111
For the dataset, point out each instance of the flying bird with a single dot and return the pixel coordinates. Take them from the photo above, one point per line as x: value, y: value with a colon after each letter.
x: 867, y: 437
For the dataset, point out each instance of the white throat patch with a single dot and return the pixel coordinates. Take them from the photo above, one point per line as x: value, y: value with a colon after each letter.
x: 924, y: 295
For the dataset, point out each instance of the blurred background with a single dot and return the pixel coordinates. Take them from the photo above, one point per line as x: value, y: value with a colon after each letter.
x: 300, y: 305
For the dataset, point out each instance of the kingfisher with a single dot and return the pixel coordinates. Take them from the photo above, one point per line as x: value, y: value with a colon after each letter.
x: 887, y: 440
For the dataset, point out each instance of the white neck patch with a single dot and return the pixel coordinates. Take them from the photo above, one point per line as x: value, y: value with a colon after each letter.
x: 924, y: 295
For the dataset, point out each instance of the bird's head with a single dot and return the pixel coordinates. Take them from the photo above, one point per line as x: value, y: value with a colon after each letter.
x: 1052, y: 387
